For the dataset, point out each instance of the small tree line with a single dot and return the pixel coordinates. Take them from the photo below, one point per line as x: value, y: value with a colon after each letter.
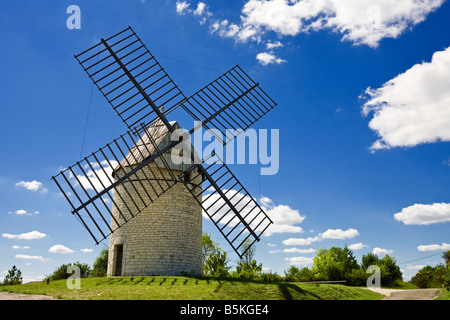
x: 98, y: 269
x: 434, y: 277
x: 330, y: 264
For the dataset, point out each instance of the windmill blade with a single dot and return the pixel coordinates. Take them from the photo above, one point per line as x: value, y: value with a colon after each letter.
x: 232, y: 101
x: 131, y: 79
x: 227, y: 204
x: 106, y: 192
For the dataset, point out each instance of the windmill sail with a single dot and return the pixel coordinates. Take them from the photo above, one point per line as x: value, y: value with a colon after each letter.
x: 121, y: 175
x: 227, y: 203
x: 232, y: 101
x: 123, y: 69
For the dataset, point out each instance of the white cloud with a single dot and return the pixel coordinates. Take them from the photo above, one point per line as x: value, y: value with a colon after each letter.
x: 412, y: 108
x: 19, y: 247
x: 272, y: 45
x: 86, y: 250
x: 300, y: 241
x: 25, y: 236
x: 266, y: 58
x: 200, y: 9
x: 361, y: 22
x: 26, y: 256
x: 32, y: 185
x: 328, y: 234
x: 415, y: 267
x: 294, y: 250
x: 97, y: 178
x: 284, y: 217
x: 182, y: 7
x: 23, y: 212
x: 59, y: 248
x: 299, y: 261
x: 434, y: 247
x: 424, y: 214
x: 381, y: 251
x: 340, y: 234
x: 357, y: 246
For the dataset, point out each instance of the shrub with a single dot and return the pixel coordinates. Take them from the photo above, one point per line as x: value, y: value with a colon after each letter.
x: 430, y: 277
x: 214, y: 260
x: 357, y: 277
x: 100, y: 265
x: 299, y: 275
x: 61, y: 272
x: 248, y: 267
x: 271, y: 277
x: 446, y: 278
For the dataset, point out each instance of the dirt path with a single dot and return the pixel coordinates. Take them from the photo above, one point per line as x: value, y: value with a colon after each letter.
x: 410, y: 294
x: 19, y: 296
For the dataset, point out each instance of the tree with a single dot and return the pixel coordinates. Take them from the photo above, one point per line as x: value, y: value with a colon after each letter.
x: 390, y: 272
x: 423, y: 277
x: 334, y: 264
x: 248, y: 267
x: 100, y: 265
x: 292, y: 274
x: 14, y: 276
x: 215, y: 260
x: 430, y: 277
x: 446, y: 276
x: 369, y: 260
x: 446, y: 256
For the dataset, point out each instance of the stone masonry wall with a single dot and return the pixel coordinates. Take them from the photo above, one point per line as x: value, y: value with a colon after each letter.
x: 165, y: 238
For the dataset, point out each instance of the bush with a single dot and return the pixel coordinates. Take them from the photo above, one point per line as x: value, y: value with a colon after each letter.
x: 248, y: 267
x: 100, y: 266
x: 298, y: 275
x: 430, y: 277
x: 214, y: 260
x: 357, y: 277
x: 271, y: 277
x: 446, y: 278
x: 250, y: 270
x: 61, y: 272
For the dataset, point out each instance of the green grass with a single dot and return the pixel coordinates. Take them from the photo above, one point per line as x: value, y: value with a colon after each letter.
x: 402, y: 285
x: 188, y: 288
x: 444, y: 295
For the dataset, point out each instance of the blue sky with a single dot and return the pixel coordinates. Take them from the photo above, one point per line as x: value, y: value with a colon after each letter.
x: 363, y: 115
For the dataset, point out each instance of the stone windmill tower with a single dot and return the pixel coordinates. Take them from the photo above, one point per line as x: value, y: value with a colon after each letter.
x: 166, y: 237
x: 131, y: 191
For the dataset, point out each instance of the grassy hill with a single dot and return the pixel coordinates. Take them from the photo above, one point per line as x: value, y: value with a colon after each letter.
x: 188, y: 288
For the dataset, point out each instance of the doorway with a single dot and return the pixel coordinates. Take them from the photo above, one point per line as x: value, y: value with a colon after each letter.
x: 118, y: 250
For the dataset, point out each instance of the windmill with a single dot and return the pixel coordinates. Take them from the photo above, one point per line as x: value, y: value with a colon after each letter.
x: 108, y: 189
